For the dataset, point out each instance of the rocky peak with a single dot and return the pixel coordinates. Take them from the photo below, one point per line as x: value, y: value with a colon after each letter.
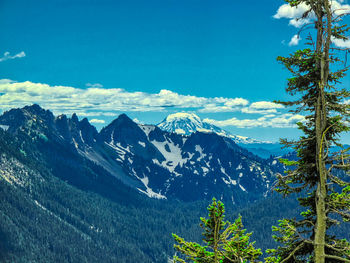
x: 88, y: 132
x: 29, y: 117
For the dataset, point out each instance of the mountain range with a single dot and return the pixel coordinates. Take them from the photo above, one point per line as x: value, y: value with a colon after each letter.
x: 158, y: 163
x: 71, y: 193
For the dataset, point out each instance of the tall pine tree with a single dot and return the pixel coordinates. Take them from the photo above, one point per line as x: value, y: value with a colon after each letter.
x: 320, y: 174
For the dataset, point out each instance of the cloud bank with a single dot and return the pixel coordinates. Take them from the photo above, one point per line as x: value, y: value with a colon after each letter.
x: 97, y: 101
x: 286, y: 120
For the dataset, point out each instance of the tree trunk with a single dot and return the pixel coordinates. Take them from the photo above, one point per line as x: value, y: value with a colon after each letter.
x: 320, y: 228
x: 321, y: 192
x: 322, y: 64
x: 216, y: 241
x: 323, y: 46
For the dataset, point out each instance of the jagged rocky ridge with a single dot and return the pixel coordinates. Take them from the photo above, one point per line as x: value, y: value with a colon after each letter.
x: 155, y: 162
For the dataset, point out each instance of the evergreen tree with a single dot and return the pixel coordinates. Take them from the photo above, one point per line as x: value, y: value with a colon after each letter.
x: 225, y: 242
x: 317, y: 175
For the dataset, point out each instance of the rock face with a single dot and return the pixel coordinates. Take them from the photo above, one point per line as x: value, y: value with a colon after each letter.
x: 158, y: 163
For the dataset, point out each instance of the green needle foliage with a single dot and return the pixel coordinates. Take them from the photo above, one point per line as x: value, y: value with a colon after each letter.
x: 224, y: 242
x: 320, y: 174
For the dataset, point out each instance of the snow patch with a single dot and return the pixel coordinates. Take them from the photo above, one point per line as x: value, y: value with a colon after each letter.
x: 173, y: 158
x: 149, y: 192
x: 205, y: 170
x: 121, y: 151
x: 180, y: 131
x: 147, y: 128
x: 201, y: 154
x: 204, y: 130
x: 75, y: 144
x: 4, y: 127
x: 81, y: 136
x: 243, y: 189
x: 229, y: 180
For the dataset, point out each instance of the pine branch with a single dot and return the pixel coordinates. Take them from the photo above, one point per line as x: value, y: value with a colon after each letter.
x: 341, y: 213
x: 293, y: 252
x: 337, y: 249
x: 337, y: 258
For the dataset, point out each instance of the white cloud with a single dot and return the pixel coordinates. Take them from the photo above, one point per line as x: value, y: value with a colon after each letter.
x: 287, y: 11
x: 294, y: 41
x: 97, y: 121
x: 213, y: 107
x: 236, y: 102
x: 341, y: 43
x: 258, y: 111
x: 98, y: 101
x: 224, y: 105
x: 94, y: 85
x: 283, y: 121
x: 239, y: 123
x: 265, y: 105
x: 8, y: 56
x: 5, y: 81
x: 299, y: 22
x: 340, y: 9
x: 262, y: 107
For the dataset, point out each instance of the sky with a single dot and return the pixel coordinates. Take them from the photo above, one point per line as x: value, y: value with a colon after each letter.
x: 148, y: 59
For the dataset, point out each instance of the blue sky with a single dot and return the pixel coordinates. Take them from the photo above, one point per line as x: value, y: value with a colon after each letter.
x: 100, y: 58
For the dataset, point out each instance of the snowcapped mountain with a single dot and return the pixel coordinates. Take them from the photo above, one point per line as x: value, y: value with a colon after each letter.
x: 159, y: 164
x: 188, y: 123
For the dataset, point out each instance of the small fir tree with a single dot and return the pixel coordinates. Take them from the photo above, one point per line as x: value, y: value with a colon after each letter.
x: 224, y: 242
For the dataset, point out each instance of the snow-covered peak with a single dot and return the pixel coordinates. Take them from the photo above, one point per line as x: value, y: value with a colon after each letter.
x: 183, y: 116
x: 188, y: 123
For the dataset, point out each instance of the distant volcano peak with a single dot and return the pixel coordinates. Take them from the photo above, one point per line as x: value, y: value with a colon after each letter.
x: 188, y: 123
